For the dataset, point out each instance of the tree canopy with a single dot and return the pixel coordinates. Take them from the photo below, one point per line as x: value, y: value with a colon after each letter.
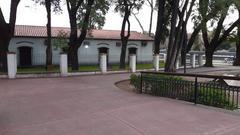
x: 97, y: 16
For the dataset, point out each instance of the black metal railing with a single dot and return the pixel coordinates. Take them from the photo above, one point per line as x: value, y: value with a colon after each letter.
x: 212, y: 92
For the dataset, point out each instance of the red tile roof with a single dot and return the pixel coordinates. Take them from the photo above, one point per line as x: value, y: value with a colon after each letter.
x: 41, y: 31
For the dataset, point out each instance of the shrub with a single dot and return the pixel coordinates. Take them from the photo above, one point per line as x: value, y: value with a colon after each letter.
x: 135, y: 80
x: 215, y: 97
x: 208, y: 93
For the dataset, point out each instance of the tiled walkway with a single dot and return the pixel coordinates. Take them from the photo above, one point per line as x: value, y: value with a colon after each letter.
x: 92, y: 105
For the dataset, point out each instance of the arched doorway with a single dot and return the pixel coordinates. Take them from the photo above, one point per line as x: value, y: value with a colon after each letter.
x: 103, y: 50
x: 132, y: 50
x: 25, y: 56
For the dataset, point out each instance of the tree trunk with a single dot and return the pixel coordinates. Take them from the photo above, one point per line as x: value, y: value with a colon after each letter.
x: 123, y: 54
x: 4, y: 43
x: 73, y: 53
x: 49, y: 35
x: 124, y: 37
x: 140, y: 24
x: 170, y: 62
x: 151, y: 19
x: 75, y: 42
x: 237, y: 60
x: 209, y: 57
x: 160, y: 26
x: 6, y: 33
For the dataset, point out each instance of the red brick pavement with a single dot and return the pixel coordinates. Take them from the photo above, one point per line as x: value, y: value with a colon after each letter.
x: 92, y: 105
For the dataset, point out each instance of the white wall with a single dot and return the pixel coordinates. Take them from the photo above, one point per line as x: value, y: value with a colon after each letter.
x: 86, y: 55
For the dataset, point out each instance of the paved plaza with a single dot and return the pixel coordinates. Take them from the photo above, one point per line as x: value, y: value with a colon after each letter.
x: 93, y: 105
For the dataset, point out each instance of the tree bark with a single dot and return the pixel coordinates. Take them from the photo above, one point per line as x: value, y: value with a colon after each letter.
x: 237, y: 60
x: 75, y: 42
x: 169, y: 66
x: 7, y: 32
x: 140, y: 24
x: 160, y: 26
x: 124, y: 36
x: 49, y: 35
x: 209, y: 56
x: 123, y: 53
x: 3, y: 53
x: 151, y: 18
x: 73, y: 52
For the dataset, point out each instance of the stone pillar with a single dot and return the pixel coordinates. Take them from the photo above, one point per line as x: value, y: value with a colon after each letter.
x: 103, y: 62
x: 64, y: 64
x: 156, y: 62
x: 132, y: 63
x: 200, y: 59
x: 12, y: 65
x: 193, y: 59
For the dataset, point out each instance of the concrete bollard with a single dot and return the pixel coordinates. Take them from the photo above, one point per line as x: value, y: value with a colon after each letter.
x: 132, y: 63
x: 12, y: 65
x: 156, y: 62
x: 64, y: 64
x: 193, y: 59
x: 103, y: 62
x: 200, y: 60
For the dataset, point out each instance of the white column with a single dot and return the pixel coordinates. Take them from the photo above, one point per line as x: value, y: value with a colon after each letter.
x: 132, y: 63
x: 178, y: 63
x: 200, y: 59
x: 64, y: 64
x: 193, y: 59
x: 12, y: 65
x: 103, y: 62
x: 156, y: 62
x: 164, y: 58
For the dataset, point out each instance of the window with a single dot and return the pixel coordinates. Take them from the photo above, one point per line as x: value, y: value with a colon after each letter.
x: 86, y: 43
x: 144, y: 43
x: 118, y: 44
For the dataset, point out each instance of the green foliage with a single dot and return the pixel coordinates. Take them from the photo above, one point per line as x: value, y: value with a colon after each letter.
x: 178, y: 88
x: 135, y: 80
x: 56, y: 4
x: 61, y: 41
x: 225, y: 45
x: 131, y: 5
x: 215, y: 97
x: 97, y: 15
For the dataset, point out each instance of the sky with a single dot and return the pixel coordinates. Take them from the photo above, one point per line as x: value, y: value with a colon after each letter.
x: 30, y: 13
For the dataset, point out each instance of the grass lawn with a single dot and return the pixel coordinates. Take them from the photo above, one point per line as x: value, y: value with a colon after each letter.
x: 2, y: 73
x: 37, y: 69
x: 86, y: 68
x: 83, y: 68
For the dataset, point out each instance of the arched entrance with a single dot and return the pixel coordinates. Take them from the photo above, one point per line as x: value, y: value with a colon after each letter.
x: 25, y: 56
x: 103, y: 50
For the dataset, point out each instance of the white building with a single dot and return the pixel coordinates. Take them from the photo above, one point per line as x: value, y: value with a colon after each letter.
x: 28, y: 44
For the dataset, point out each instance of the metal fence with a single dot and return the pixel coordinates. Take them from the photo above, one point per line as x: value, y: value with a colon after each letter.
x: 187, y: 87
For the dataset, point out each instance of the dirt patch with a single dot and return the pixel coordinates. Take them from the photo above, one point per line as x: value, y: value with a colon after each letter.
x: 125, y: 85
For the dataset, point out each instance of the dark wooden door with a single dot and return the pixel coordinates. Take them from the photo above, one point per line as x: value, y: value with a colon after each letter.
x: 132, y: 51
x: 25, y: 54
